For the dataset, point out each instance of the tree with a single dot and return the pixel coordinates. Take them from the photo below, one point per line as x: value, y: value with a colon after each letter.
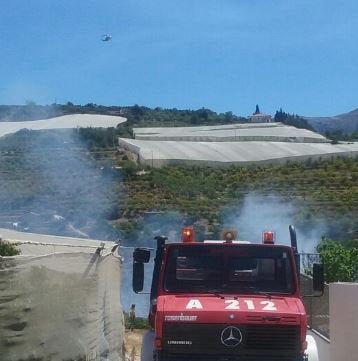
x: 203, y: 114
x: 228, y: 116
x: 194, y: 119
x: 137, y: 112
x: 292, y: 119
x: 30, y: 103
x: 340, y: 261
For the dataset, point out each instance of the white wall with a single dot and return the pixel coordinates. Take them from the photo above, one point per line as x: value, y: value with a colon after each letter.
x: 343, y: 310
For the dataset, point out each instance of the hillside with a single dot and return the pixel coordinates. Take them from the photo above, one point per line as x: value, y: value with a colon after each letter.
x: 79, y: 184
x: 51, y: 183
x: 141, y: 116
x: 136, y: 115
x: 317, y: 192
x: 347, y: 122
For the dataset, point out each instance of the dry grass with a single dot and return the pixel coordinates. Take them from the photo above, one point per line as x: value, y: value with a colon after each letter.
x: 133, y: 344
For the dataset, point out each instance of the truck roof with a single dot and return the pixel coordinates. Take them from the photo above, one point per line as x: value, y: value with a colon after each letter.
x: 221, y: 241
x: 227, y: 244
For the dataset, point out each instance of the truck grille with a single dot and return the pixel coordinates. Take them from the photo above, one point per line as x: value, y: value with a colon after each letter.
x: 275, y: 342
x: 268, y: 337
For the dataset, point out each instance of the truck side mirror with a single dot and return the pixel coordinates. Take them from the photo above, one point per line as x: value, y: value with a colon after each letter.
x: 318, y: 277
x: 141, y: 255
x: 138, y: 277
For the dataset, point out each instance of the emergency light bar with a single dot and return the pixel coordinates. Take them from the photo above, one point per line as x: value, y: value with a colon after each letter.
x: 268, y: 237
x: 229, y: 235
x: 188, y: 234
x: 223, y: 242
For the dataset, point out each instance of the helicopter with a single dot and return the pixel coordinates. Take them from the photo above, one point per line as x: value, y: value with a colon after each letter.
x: 106, y: 37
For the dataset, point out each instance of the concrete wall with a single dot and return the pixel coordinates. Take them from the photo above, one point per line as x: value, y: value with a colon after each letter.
x: 343, y: 317
x: 343, y: 312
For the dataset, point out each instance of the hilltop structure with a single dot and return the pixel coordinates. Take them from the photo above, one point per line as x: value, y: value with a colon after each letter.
x: 259, y: 117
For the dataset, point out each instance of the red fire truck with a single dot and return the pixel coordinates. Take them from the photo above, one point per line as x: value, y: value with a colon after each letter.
x: 225, y: 300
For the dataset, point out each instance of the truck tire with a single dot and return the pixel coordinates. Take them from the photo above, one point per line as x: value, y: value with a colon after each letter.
x: 146, y: 353
x: 312, y: 351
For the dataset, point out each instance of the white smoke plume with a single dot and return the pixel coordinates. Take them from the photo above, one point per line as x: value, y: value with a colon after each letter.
x: 58, y: 188
x: 168, y: 224
x: 273, y: 212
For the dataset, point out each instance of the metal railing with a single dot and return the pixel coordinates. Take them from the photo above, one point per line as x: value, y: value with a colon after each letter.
x: 317, y: 308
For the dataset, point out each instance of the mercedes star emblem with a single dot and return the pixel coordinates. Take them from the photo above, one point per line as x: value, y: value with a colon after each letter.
x: 231, y: 336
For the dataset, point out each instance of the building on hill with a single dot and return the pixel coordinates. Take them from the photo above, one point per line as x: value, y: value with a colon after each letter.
x: 259, y: 117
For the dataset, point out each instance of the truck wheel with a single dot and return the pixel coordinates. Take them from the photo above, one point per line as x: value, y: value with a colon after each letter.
x: 312, y: 351
x: 146, y: 353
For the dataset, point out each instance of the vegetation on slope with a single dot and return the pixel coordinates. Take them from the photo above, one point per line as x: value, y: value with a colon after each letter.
x: 346, y: 123
x: 51, y: 173
x: 334, y: 128
x: 292, y: 119
x: 136, y: 115
x: 323, y: 190
x: 338, y: 135
x: 140, y: 116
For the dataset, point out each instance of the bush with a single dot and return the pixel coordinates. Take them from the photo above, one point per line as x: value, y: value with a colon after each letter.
x: 139, y: 323
x: 340, y: 261
x: 8, y: 249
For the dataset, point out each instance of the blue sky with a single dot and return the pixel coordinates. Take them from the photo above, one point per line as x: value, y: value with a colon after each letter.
x: 221, y: 54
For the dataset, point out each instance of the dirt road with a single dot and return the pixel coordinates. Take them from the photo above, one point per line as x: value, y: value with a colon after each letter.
x: 133, y: 344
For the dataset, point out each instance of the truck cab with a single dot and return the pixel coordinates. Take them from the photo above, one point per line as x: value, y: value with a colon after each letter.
x: 225, y: 300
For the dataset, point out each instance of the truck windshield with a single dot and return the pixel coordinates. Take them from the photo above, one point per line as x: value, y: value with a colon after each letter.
x: 229, y: 269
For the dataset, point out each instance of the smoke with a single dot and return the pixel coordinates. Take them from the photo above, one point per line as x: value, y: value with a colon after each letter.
x: 56, y: 187
x: 273, y: 212
x: 169, y: 224
x: 256, y: 213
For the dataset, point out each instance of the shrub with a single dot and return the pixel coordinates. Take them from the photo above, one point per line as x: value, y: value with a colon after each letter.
x: 139, y: 322
x: 340, y: 261
x: 8, y: 249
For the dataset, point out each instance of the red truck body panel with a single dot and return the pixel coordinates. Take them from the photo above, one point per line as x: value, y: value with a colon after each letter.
x: 177, y: 312
x: 229, y: 308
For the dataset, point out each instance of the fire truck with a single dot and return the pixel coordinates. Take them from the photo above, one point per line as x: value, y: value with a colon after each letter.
x: 226, y: 300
